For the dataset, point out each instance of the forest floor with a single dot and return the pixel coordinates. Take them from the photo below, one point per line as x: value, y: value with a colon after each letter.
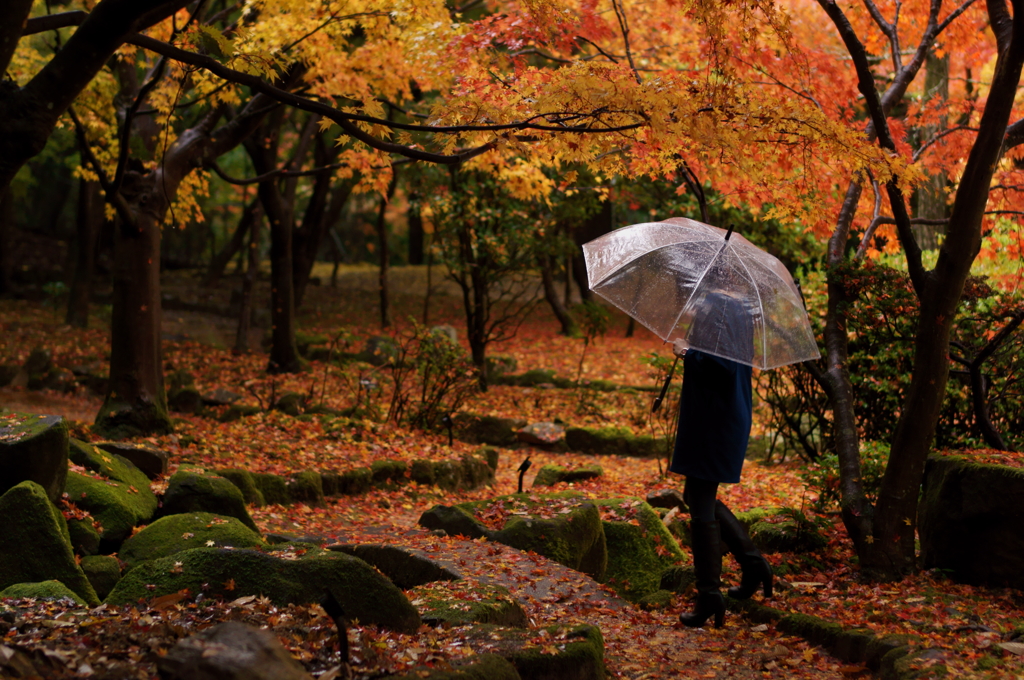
x: 962, y: 624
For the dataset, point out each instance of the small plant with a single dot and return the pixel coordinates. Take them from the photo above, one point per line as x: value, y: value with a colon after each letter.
x: 822, y: 476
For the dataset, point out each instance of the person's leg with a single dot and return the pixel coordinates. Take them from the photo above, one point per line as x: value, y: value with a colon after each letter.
x: 756, y: 569
x: 706, y: 542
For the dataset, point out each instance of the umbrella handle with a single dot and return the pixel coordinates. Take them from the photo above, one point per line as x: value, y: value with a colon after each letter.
x: 664, y: 388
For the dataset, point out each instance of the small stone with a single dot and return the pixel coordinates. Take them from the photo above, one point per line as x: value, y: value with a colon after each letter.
x: 666, y: 498
x: 541, y: 434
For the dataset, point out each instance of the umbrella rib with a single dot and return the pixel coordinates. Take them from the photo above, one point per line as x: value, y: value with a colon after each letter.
x: 760, y: 304
x: 696, y: 286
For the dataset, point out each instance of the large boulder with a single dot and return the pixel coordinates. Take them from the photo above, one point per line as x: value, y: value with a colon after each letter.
x: 117, y: 506
x: 405, y: 568
x: 115, y: 467
x: 246, y: 483
x: 362, y: 591
x: 971, y: 521
x: 174, y: 533
x: 476, y: 667
x: 230, y: 651
x: 453, y: 521
x: 194, y: 491
x: 103, y: 572
x: 640, y: 547
x: 782, y: 529
x: 460, y: 603
x: 35, y: 545
x: 152, y: 461
x: 575, y: 539
x: 34, y: 448
x: 42, y: 590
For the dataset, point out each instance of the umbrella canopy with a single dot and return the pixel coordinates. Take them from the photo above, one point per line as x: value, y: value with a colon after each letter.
x: 685, y: 280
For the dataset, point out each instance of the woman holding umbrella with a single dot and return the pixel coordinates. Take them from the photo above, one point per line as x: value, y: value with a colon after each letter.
x: 711, y: 443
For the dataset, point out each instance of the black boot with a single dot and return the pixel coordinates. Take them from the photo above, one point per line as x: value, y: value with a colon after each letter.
x: 756, y: 570
x: 707, y: 564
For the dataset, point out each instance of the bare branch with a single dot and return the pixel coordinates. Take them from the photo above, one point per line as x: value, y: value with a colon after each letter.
x: 620, y: 14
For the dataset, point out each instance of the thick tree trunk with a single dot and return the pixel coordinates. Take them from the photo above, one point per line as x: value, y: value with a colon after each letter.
x: 135, y: 402
x: 89, y: 220
x: 931, y: 198
x: 7, y: 220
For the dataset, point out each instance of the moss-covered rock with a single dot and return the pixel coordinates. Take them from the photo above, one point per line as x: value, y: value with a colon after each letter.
x: 460, y: 603
x: 192, y: 491
x: 815, y: 630
x: 659, y: 599
x: 117, y: 468
x: 174, y: 533
x: 306, y: 487
x: 359, y: 480
x: 614, y: 441
x: 491, y: 455
x: 551, y: 653
x: 550, y: 475
x: 404, y: 568
x: 363, y: 592
x: 477, y: 667
x: 41, y: 590
x: 239, y: 411
x: 273, y: 487
x: 243, y: 479
x: 103, y: 572
x: 117, y: 506
x: 35, y: 545
x: 85, y: 537
x: 640, y: 548
x: 972, y: 522
x: 575, y: 539
x: 34, y: 448
x: 487, y: 429
x: 454, y: 521
x: 152, y: 461
x: 776, y: 530
x: 291, y: 403
x: 384, y: 471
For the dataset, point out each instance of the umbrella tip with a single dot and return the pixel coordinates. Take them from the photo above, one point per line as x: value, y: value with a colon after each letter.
x: 729, y: 233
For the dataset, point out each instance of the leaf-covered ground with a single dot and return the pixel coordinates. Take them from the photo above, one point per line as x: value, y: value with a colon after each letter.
x: 962, y: 623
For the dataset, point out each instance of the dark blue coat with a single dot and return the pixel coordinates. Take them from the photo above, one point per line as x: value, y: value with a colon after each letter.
x: 714, y: 418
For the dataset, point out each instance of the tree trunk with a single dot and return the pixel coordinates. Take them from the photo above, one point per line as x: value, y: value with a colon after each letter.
x: 88, y: 220
x: 248, y: 283
x: 7, y: 220
x: 321, y: 215
x: 385, y: 254
x: 558, y: 307
x: 417, y: 235
x: 219, y: 262
x: 135, y: 403
x: 931, y: 198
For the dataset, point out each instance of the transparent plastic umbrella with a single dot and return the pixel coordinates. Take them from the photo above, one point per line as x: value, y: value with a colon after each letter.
x: 685, y: 280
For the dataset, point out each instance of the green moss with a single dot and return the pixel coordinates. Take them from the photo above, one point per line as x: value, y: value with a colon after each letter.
x: 549, y: 475
x: 364, y: 593
x: 576, y: 539
x: 191, y: 491
x: 423, y: 472
x: 35, y: 545
x: 41, y: 590
x: 307, y: 487
x: 387, y: 471
x: 359, y: 480
x: 614, y: 441
x: 110, y: 465
x: 85, y: 539
x: 239, y: 411
x: 565, y: 652
x: 243, y: 479
x: 174, y: 533
x: 637, y: 553
x: 811, y: 628
x: 273, y: 487
x: 659, y: 599
x: 491, y: 455
x: 477, y: 667
x: 112, y: 504
x: 103, y: 572
x: 460, y: 603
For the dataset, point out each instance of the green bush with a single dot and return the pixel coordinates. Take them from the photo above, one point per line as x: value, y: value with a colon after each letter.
x: 822, y: 476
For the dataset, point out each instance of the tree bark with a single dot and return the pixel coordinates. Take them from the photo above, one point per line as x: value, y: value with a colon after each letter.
x: 7, y: 227
x: 219, y: 262
x: 417, y: 235
x: 89, y: 219
x: 385, y: 253
x: 248, y: 283
x: 558, y: 307
x: 892, y: 552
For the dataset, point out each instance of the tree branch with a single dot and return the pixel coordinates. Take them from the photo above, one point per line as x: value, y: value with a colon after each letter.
x: 13, y: 17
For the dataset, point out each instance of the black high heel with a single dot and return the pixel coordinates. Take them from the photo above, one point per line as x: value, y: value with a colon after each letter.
x: 708, y: 605
x: 756, y: 573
